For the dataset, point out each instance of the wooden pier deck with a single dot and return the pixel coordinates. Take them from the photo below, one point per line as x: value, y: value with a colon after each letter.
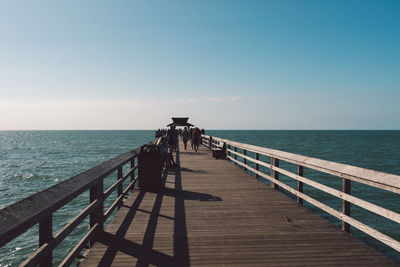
x: 213, y: 213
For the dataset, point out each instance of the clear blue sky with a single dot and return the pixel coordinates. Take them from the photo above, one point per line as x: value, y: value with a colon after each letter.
x: 225, y: 64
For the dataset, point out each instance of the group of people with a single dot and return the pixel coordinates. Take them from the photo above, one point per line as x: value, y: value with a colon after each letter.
x: 161, y: 132
x: 166, y: 147
x: 168, y: 141
x: 194, y: 135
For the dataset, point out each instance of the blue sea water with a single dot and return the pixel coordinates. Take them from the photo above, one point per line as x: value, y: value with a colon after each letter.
x: 31, y: 161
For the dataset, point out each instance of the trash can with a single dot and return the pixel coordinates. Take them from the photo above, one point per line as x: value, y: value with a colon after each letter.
x: 150, y: 167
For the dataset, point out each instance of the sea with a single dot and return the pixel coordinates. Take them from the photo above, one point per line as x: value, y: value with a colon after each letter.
x: 31, y: 161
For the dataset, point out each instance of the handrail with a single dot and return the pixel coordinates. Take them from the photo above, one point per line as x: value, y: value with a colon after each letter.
x: 386, y: 181
x: 347, y: 173
x: 39, y: 208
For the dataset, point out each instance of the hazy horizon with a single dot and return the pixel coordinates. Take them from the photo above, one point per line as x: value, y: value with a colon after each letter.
x: 22, y: 130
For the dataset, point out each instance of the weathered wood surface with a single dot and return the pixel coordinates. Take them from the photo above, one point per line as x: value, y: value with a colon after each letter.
x: 212, y: 213
x: 344, y: 195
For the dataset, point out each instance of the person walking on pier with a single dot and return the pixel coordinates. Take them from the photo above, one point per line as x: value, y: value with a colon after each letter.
x: 185, y: 137
x: 166, y: 154
x: 191, y: 136
x: 172, y: 138
x: 196, y: 136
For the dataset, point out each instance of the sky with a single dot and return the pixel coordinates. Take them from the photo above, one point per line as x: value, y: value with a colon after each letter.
x: 286, y: 64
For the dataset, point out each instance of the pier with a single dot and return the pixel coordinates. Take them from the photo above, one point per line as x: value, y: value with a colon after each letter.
x: 212, y: 213
x: 209, y: 212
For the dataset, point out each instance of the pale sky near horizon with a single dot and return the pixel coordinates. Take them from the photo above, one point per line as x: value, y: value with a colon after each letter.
x: 287, y: 64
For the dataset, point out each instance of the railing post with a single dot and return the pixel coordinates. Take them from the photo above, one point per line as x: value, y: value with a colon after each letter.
x: 244, y: 159
x: 235, y: 155
x: 274, y: 174
x: 257, y: 166
x: 119, y: 186
x: 210, y: 144
x: 96, y: 192
x: 346, y: 188
x: 133, y: 173
x: 300, y: 184
x: 45, y: 236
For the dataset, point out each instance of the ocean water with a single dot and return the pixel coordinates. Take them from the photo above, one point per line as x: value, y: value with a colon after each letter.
x: 31, y: 161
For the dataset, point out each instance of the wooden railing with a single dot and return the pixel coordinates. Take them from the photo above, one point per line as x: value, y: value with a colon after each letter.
x: 345, y: 172
x: 39, y: 209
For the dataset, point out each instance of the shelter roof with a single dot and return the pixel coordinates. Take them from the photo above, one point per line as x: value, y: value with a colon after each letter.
x: 182, y: 121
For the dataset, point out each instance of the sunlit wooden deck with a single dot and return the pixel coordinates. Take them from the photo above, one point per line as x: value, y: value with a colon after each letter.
x: 213, y: 213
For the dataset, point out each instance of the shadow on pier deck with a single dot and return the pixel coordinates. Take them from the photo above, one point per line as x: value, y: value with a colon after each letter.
x: 212, y: 213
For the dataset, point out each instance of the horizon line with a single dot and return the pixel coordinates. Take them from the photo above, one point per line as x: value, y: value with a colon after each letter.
x: 10, y: 130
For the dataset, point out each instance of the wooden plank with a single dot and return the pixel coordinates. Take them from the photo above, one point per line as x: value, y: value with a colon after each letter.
x: 82, y: 243
x: 210, y: 213
x: 257, y: 157
x: 45, y: 237
x: 119, y: 182
x: 365, y: 228
x: 96, y: 216
x: 274, y: 173
x: 346, y: 189
x: 244, y: 159
x: 394, y: 216
x: 300, y: 171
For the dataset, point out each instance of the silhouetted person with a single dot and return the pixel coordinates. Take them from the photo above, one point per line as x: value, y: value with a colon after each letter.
x: 166, y: 154
x: 172, y: 138
x: 196, y: 136
x: 185, y: 136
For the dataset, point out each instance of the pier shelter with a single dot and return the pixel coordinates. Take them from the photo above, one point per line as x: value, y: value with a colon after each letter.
x: 180, y: 122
